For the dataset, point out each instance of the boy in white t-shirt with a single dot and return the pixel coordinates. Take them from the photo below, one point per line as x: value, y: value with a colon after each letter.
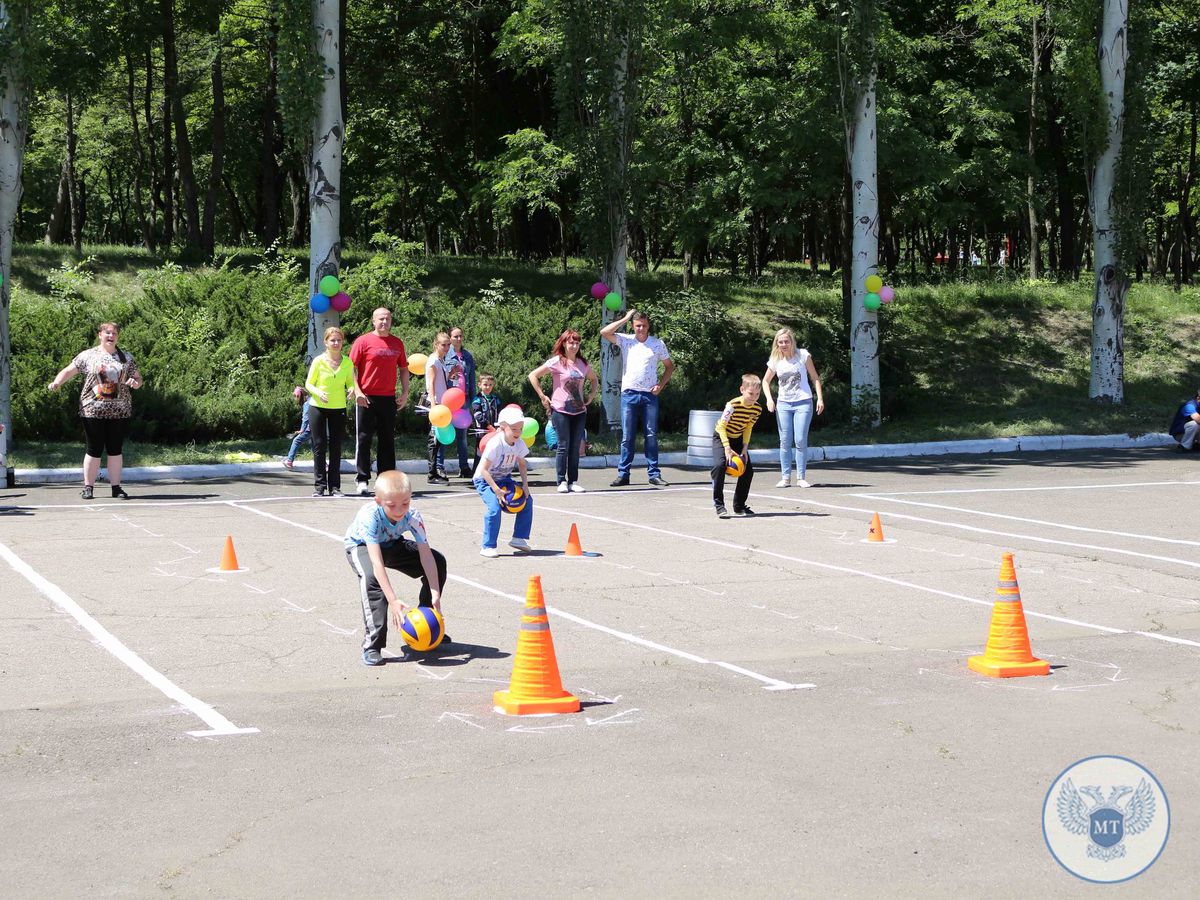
x: 504, y: 452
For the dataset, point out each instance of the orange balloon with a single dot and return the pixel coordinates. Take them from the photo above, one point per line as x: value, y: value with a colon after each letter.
x: 440, y: 415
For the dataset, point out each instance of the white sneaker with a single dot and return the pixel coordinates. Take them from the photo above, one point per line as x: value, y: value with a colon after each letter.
x: 489, y: 552
x: 520, y: 545
x: 364, y: 489
x: 784, y: 482
x: 563, y: 487
x: 577, y: 488
x: 802, y: 483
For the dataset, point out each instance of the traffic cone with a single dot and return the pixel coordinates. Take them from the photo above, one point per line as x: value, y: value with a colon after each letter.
x: 875, y: 533
x: 229, y: 561
x: 1008, y: 653
x: 574, y: 548
x: 536, y: 687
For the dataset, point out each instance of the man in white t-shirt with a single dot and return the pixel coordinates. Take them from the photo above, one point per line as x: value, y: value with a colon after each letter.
x: 640, y: 387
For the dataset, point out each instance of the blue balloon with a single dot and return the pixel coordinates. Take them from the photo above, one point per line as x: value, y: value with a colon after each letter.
x: 551, y: 436
x: 319, y: 303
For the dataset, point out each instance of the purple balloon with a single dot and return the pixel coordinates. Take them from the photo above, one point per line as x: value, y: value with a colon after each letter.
x: 461, y: 418
x: 599, y: 289
x: 340, y: 301
x: 887, y: 293
x: 319, y: 303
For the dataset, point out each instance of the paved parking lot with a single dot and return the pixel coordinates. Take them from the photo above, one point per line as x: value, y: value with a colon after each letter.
x: 771, y: 705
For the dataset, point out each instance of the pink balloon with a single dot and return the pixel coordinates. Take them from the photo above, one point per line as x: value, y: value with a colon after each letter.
x: 454, y: 399
x: 887, y: 294
x: 340, y: 301
x: 599, y: 289
x: 461, y: 419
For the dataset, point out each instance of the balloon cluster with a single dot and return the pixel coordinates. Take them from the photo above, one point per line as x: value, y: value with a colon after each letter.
x: 329, y: 294
x: 529, y: 430
x: 450, y: 414
x: 611, y: 299
x: 878, y: 293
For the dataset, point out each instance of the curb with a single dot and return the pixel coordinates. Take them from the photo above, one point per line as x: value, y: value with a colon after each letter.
x: 1032, y: 444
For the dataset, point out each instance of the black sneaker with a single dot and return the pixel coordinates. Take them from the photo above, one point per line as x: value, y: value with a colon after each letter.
x: 438, y: 479
x: 334, y: 492
x: 619, y: 482
x: 86, y: 493
x: 722, y: 512
x: 118, y: 493
x: 659, y: 482
x: 745, y: 511
x: 372, y: 658
x: 319, y: 492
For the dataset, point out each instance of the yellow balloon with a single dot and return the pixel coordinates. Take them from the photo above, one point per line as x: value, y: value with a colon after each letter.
x: 874, y: 283
x: 440, y: 416
x: 529, y: 440
x: 417, y: 363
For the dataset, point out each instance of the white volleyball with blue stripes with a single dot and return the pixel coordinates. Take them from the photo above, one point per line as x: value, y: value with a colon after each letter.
x: 423, y: 628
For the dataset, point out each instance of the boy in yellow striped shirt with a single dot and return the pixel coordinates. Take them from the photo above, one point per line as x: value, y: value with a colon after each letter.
x: 732, y: 438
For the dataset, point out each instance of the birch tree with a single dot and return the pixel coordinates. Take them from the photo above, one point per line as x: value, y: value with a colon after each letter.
x: 325, y: 168
x: 13, y: 126
x: 858, y: 67
x: 1107, y: 383
x: 598, y: 91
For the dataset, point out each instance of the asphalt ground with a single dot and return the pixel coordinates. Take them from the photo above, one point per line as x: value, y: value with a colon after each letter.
x: 772, y: 706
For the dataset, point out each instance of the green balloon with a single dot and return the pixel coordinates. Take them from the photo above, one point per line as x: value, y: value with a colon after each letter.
x: 530, y: 428
x: 872, y: 302
x: 446, y: 434
x: 612, y: 300
x: 330, y: 285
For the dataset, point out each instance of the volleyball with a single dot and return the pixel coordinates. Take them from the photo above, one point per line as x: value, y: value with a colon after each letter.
x: 736, y: 467
x: 423, y: 628
x: 514, y: 500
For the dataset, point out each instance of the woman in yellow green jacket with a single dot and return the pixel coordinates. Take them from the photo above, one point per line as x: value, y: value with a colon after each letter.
x: 331, y: 384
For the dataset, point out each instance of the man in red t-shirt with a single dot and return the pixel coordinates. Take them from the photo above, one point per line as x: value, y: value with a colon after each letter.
x: 379, y: 358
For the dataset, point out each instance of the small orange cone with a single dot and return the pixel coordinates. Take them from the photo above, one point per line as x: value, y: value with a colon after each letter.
x: 536, y: 687
x: 875, y: 533
x: 574, y: 548
x: 1008, y: 653
x: 229, y: 561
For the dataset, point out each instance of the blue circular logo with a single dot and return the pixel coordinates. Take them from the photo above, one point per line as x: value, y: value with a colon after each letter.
x: 1106, y: 819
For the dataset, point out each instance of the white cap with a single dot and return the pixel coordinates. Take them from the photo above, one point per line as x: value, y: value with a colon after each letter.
x: 510, y: 416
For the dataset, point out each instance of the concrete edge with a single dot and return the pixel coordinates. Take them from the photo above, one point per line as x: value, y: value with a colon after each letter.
x: 1029, y: 444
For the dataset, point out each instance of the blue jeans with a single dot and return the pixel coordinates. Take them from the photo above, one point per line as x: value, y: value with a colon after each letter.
x: 793, y: 420
x: 639, y: 406
x: 570, y: 434
x: 492, y: 512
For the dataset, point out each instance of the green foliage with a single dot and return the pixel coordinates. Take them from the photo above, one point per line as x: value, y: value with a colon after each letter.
x: 68, y: 282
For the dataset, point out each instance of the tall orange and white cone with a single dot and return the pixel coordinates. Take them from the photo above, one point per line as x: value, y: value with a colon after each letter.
x: 875, y: 531
x: 1008, y: 653
x: 535, y: 687
x: 229, y: 560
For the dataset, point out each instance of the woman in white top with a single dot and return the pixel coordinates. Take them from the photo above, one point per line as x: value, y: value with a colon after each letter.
x: 798, y: 382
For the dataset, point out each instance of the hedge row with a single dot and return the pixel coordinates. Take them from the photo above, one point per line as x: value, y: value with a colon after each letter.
x: 221, y: 349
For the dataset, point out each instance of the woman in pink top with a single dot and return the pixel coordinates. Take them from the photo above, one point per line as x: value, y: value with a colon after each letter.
x: 567, y: 405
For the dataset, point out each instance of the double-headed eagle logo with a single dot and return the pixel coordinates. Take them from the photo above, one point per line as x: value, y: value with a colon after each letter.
x: 1106, y: 821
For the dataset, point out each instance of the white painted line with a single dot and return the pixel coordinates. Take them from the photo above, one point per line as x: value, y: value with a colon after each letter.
x: 1015, y: 490
x: 334, y: 627
x: 1028, y: 521
x: 729, y: 545
x: 773, y: 683
x: 1008, y: 534
x: 218, y: 725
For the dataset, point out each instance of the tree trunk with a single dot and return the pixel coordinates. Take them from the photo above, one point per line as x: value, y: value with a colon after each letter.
x: 168, y: 162
x: 864, y: 324
x: 73, y: 192
x: 208, y: 232
x: 13, y: 125
x: 58, y: 212
x: 1107, y: 383
x: 1035, y: 255
x: 615, y: 263
x: 325, y: 170
x: 156, y: 188
x: 139, y: 169
x: 183, y: 146
x: 270, y: 182
x: 299, y: 192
